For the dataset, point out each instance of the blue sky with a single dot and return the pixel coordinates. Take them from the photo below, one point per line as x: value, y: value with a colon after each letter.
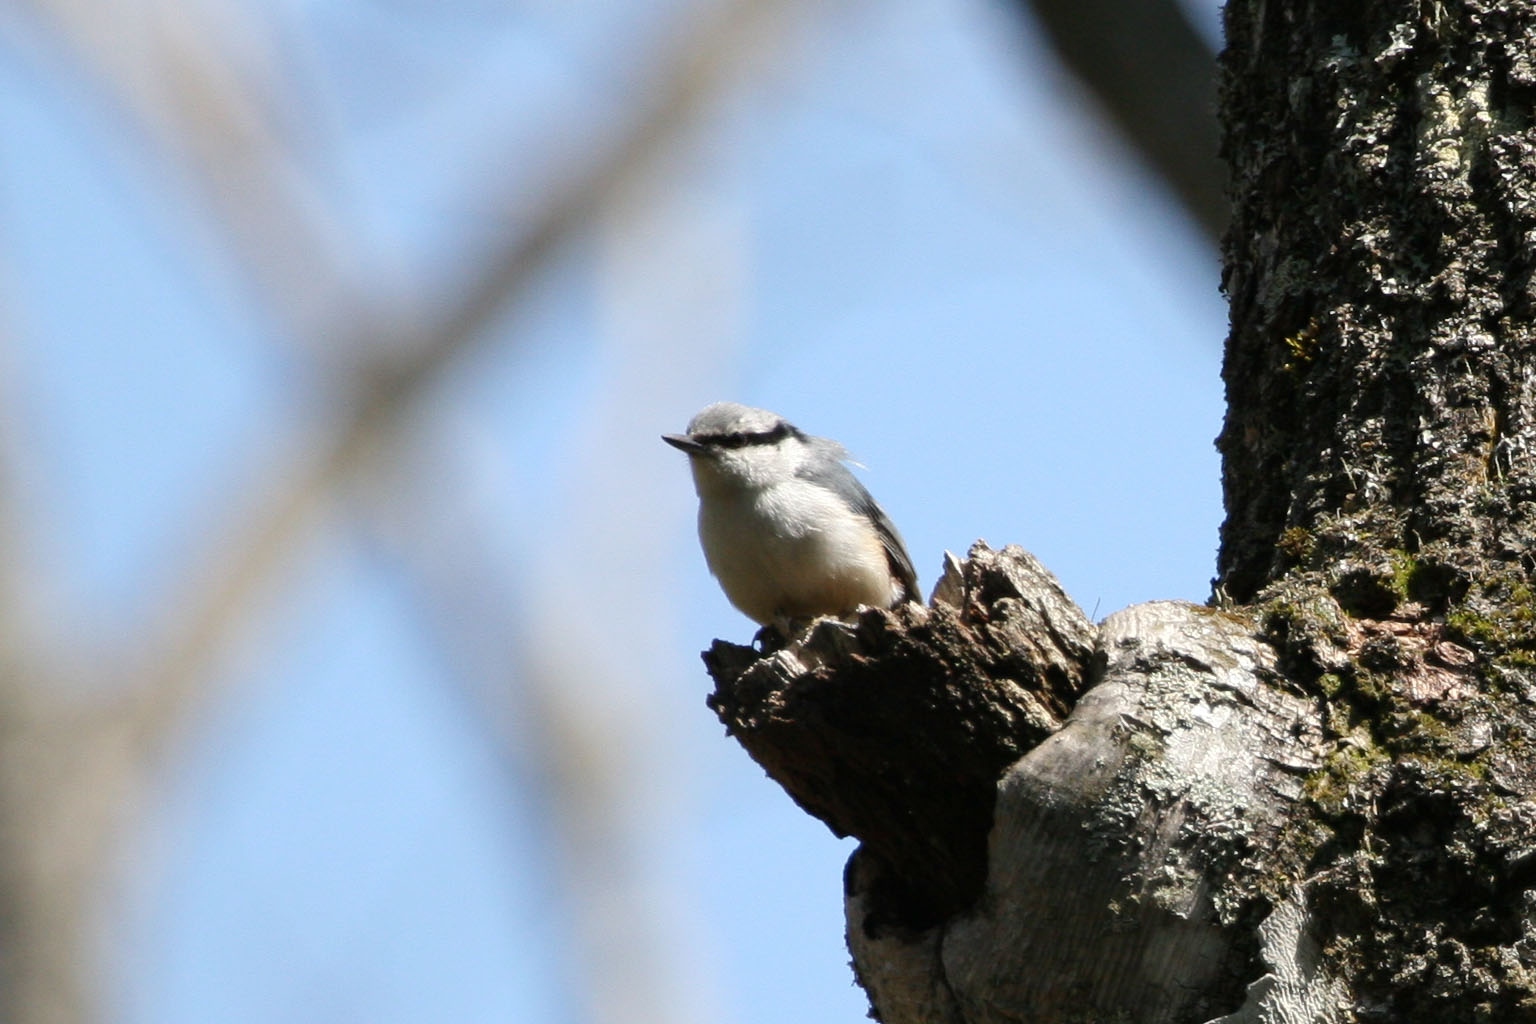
x: 899, y: 227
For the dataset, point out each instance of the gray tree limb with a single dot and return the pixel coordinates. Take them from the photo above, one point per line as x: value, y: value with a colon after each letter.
x: 1121, y: 854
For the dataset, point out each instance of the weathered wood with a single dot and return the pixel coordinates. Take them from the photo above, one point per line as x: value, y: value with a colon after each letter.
x: 1017, y: 862
x: 1124, y: 877
x: 896, y: 727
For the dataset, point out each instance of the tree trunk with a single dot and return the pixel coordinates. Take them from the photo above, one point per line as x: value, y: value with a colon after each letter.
x: 1317, y: 800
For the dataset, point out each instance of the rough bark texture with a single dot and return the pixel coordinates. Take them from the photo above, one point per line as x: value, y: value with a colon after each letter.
x: 1119, y: 866
x: 1381, y: 379
x: 896, y: 728
x: 1381, y: 372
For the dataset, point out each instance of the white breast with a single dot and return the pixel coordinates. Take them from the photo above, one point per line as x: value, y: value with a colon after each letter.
x: 793, y: 549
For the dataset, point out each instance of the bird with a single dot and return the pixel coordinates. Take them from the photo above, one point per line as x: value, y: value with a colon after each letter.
x: 787, y: 529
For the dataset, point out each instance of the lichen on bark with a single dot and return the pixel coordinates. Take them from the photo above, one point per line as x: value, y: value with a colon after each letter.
x: 1381, y: 498
x: 1379, y: 371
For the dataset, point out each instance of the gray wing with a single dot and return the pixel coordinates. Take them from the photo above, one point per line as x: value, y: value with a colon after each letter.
x: 829, y: 471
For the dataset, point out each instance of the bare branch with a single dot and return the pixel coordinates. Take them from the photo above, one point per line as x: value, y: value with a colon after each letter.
x: 173, y: 71
x: 1156, y: 79
x: 244, y: 562
x: 533, y: 701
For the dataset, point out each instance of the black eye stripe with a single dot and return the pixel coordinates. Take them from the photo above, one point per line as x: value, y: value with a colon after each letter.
x: 740, y: 439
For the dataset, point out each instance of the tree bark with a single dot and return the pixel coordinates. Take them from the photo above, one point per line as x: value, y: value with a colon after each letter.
x: 988, y: 672
x: 1315, y: 800
x: 1379, y: 372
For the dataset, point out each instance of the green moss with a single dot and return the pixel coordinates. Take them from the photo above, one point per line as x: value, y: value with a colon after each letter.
x: 1499, y: 617
x: 1387, y: 748
x: 1280, y: 619
x: 1521, y: 595
x: 1373, y: 688
x: 1144, y: 745
x: 1296, y: 546
x: 1301, y: 347
x: 1433, y: 578
x: 1472, y: 626
x: 1409, y: 729
x: 1302, y: 620
x: 1416, y: 762
x: 1520, y: 658
x: 1334, y: 787
x: 1404, y: 568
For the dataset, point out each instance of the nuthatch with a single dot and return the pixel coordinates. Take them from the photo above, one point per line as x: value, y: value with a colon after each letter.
x: 787, y: 529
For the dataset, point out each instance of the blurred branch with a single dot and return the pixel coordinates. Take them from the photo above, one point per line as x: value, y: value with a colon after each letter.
x: 243, y: 563
x: 532, y: 696
x: 1156, y: 79
x: 171, y: 69
x: 15, y: 543
x: 71, y: 770
x: 569, y: 719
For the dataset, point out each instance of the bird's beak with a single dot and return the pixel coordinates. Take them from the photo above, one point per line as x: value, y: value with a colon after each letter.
x: 683, y: 443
